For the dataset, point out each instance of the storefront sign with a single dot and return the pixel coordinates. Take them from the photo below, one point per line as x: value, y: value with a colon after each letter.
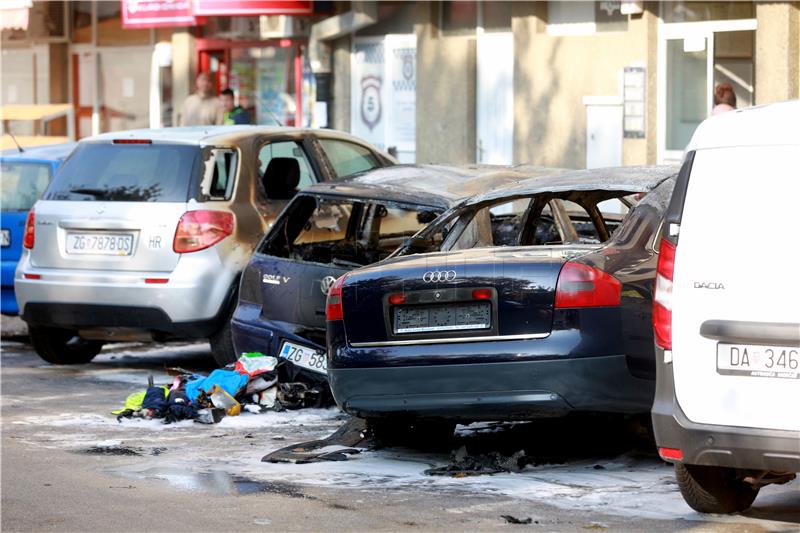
x: 253, y: 7
x: 157, y: 13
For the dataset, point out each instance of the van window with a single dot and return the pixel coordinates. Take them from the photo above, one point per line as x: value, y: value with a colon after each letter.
x: 22, y: 184
x: 127, y: 173
x: 348, y: 158
x: 344, y: 232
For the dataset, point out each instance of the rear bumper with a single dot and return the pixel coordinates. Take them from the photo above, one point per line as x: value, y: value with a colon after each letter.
x: 714, y: 445
x: 251, y: 333
x: 88, y: 316
x: 493, y: 391
x: 198, y: 289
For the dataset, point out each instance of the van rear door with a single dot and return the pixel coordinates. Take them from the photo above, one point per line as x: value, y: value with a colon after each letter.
x: 736, y: 296
x: 115, y: 206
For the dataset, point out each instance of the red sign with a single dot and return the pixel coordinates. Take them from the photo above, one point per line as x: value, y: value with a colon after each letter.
x: 253, y: 7
x: 157, y: 13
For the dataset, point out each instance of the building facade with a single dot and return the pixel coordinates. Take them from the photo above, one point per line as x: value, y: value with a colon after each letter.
x: 568, y: 84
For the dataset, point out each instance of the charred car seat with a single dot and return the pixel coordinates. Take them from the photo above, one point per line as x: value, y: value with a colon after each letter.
x: 281, y: 178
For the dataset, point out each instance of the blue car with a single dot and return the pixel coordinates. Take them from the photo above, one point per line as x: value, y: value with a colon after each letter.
x: 25, y: 176
x: 535, y: 304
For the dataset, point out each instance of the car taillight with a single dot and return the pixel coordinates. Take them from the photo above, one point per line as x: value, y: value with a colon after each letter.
x: 662, y: 300
x: 671, y: 454
x: 333, y: 306
x: 581, y: 285
x: 197, y: 230
x: 29, y: 238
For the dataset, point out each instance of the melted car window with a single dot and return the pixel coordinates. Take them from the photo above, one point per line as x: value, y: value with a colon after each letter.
x: 344, y: 232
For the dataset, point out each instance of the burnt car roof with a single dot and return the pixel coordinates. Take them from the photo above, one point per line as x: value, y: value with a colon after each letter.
x: 633, y: 179
x: 433, y: 185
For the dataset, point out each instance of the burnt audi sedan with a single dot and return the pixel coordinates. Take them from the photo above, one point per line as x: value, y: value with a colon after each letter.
x: 330, y: 229
x: 537, y: 304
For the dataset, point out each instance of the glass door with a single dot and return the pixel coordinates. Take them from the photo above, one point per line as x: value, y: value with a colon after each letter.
x: 694, y: 59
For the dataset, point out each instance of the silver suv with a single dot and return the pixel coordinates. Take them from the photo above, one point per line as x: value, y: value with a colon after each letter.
x: 142, y: 235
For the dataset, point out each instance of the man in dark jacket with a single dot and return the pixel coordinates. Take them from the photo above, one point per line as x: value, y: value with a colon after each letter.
x: 233, y: 114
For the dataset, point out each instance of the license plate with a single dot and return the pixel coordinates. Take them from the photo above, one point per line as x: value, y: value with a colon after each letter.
x: 100, y: 243
x: 305, y: 357
x: 421, y: 319
x: 758, y: 361
x: 5, y: 238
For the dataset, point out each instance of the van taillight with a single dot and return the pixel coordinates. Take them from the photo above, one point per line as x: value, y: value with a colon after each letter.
x: 581, y: 285
x: 29, y: 237
x: 197, y: 230
x: 333, y: 306
x: 662, y: 300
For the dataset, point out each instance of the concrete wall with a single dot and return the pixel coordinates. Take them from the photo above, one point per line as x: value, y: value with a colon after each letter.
x: 184, y: 70
x: 552, y: 74
x: 445, y: 93
x: 777, y: 51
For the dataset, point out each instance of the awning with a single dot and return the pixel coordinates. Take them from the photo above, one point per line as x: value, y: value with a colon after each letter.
x: 34, y: 111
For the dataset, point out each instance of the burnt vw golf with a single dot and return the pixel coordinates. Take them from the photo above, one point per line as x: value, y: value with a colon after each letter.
x: 328, y: 230
x: 536, y: 304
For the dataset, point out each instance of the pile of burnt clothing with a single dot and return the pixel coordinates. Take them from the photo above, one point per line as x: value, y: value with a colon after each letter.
x: 251, y: 384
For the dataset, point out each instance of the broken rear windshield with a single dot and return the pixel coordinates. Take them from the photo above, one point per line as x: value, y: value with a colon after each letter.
x: 344, y: 232
x: 127, y: 173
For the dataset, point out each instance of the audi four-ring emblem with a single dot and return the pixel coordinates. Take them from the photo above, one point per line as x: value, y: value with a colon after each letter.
x: 438, y: 276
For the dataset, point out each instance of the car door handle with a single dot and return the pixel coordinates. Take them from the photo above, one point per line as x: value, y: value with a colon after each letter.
x: 735, y: 331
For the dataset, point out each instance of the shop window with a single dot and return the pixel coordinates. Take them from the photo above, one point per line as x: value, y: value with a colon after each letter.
x: 584, y: 18
x: 700, y: 11
x: 459, y: 18
x: 347, y: 158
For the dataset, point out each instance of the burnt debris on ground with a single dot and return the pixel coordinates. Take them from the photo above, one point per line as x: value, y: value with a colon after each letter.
x: 251, y: 384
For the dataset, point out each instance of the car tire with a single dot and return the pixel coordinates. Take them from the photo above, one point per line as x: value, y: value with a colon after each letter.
x: 62, y: 346
x: 222, y: 344
x: 424, y: 434
x: 714, y: 489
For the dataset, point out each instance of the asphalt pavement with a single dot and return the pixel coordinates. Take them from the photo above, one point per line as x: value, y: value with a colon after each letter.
x: 68, y: 465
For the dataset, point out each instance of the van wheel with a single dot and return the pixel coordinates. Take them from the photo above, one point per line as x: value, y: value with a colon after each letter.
x: 62, y: 346
x: 222, y: 345
x: 714, y: 489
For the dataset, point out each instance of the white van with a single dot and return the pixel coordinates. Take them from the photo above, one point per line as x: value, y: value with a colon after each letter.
x: 727, y: 310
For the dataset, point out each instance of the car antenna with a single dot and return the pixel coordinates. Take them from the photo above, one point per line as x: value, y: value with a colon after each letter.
x: 275, y: 118
x: 15, y: 142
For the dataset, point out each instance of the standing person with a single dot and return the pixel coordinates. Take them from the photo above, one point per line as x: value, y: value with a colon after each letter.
x: 232, y: 114
x: 724, y: 99
x: 201, y: 108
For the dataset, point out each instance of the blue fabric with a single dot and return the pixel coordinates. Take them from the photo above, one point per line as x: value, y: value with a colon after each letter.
x: 228, y: 380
